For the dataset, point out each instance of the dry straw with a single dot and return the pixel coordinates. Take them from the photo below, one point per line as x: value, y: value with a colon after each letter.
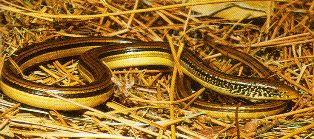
x: 145, y: 104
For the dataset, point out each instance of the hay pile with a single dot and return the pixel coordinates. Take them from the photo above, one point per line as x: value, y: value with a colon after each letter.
x: 279, y: 34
